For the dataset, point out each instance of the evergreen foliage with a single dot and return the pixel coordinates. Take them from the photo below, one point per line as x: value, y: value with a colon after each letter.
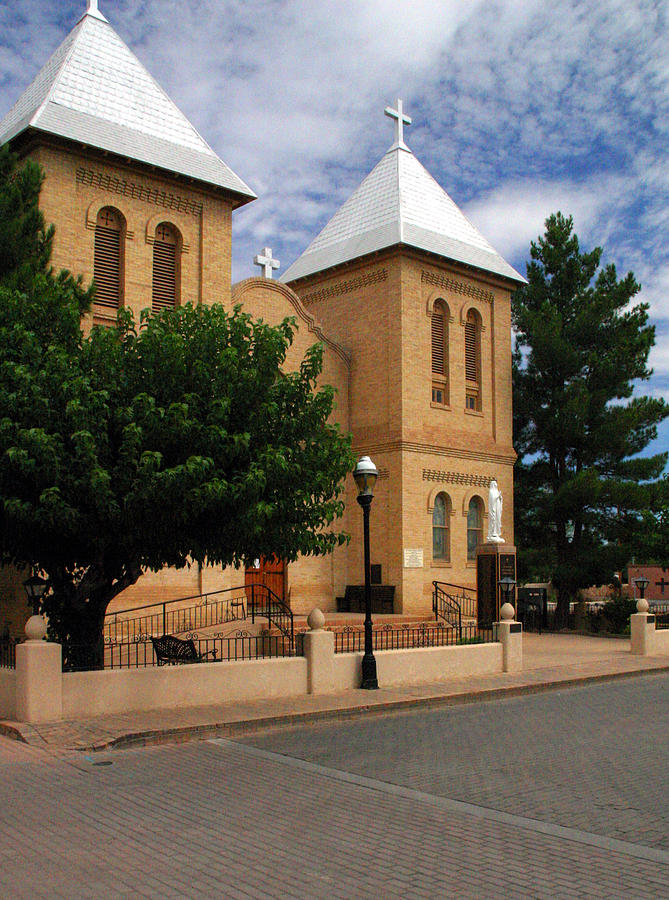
x: 178, y: 442
x: 581, y: 489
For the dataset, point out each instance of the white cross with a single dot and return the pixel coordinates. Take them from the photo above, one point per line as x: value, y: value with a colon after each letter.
x: 266, y: 262
x: 92, y: 10
x: 400, y: 121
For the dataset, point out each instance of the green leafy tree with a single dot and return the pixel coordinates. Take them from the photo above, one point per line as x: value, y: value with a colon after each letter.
x: 182, y: 441
x: 581, y: 346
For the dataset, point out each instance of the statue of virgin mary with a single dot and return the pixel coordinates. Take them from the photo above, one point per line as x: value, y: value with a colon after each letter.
x: 495, y: 514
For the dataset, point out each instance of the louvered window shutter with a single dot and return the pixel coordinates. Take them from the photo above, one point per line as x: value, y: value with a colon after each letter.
x: 164, y: 269
x: 107, y: 259
x: 471, y: 352
x: 438, y: 348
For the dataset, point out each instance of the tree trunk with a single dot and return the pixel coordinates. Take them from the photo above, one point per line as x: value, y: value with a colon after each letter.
x: 76, y: 613
x: 562, y: 610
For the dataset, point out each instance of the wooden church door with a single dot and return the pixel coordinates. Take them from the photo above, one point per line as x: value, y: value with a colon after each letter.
x: 270, y: 572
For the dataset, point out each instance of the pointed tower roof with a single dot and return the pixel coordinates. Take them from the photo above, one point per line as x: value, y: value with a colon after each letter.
x: 95, y: 91
x: 399, y: 203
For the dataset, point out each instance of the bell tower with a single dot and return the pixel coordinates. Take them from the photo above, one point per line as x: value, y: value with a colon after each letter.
x: 421, y: 300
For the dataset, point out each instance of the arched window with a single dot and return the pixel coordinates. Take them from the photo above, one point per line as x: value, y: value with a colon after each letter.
x: 166, y: 268
x: 473, y: 360
x: 440, y: 354
x: 474, y: 526
x: 441, y: 543
x: 108, y: 258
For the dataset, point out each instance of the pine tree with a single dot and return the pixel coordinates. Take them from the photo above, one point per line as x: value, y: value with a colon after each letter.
x: 578, y: 429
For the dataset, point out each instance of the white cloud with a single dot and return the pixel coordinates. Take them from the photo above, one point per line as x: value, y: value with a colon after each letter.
x: 520, y: 108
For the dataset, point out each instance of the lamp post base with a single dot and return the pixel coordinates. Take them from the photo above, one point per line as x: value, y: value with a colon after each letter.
x: 369, y: 680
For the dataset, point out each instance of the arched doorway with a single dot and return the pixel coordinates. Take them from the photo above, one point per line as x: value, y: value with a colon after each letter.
x: 270, y: 572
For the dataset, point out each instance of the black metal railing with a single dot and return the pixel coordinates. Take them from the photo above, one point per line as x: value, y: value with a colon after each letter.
x: 139, y: 654
x: 211, y: 609
x: 450, y: 602
x: 661, y: 613
x: 8, y: 654
x: 265, y: 603
x: 214, y: 608
x: 406, y: 637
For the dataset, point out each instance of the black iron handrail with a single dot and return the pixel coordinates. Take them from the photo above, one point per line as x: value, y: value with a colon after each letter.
x: 265, y: 603
x: 165, y: 619
x: 451, y: 601
x: 249, y: 599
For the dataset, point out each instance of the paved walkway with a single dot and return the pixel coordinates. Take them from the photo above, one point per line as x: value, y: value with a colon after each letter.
x: 550, y: 661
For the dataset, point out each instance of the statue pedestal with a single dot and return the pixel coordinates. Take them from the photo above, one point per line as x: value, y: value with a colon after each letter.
x: 493, y: 561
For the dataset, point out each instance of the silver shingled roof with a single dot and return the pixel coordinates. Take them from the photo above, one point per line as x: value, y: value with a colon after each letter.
x: 95, y: 91
x: 399, y: 203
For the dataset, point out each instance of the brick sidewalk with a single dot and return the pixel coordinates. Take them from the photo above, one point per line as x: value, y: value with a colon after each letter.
x: 550, y: 661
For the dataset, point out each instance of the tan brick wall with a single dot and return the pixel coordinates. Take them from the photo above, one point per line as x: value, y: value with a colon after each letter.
x: 76, y: 187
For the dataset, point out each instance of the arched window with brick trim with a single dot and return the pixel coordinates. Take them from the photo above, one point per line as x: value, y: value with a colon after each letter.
x: 441, y: 538
x: 166, y: 268
x: 473, y: 361
x: 109, y: 259
x: 440, y: 353
x: 474, y: 526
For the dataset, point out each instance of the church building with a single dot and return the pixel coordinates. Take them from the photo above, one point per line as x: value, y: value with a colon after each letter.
x: 143, y: 205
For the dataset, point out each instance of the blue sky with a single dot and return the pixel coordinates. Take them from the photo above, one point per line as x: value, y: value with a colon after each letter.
x: 519, y: 108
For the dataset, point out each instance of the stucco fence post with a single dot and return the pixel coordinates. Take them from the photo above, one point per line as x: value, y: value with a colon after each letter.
x: 642, y: 631
x: 319, y: 654
x: 39, y: 676
x: 510, y: 635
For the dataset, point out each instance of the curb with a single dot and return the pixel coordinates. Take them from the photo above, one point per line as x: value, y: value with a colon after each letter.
x: 294, y: 720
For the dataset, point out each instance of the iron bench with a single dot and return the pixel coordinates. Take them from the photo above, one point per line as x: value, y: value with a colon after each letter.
x: 172, y: 650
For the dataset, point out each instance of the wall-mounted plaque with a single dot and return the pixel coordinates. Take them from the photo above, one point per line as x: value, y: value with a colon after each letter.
x: 413, y: 559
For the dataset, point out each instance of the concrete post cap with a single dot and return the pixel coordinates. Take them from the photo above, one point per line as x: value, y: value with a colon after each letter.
x: 35, y: 628
x: 642, y: 605
x: 316, y: 619
x: 507, y: 612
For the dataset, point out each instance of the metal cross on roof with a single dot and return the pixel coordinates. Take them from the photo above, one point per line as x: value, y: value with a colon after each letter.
x: 92, y: 10
x: 400, y: 121
x: 265, y: 260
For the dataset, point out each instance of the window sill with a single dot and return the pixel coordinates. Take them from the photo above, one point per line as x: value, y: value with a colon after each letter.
x: 441, y: 564
x: 474, y: 412
x: 445, y: 406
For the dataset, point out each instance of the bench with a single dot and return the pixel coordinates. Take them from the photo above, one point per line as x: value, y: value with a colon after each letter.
x: 172, y: 651
x: 383, y: 597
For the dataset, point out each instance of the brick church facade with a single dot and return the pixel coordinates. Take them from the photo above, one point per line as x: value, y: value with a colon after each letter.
x: 142, y: 204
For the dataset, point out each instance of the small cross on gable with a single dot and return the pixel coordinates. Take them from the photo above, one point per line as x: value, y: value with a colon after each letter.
x: 265, y: 261
x: 400, y: 121
x: 662, y: 584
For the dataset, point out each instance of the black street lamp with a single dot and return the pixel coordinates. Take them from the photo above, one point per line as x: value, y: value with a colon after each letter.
x: 506, y: 586
x: 642, y: 583
x: 35, y: 587
x: 365, y: 475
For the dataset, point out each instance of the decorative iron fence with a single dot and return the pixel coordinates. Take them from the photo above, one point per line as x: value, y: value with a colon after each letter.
x: 661, y: 613
x: 8, y: 654
x: 139, y: 654
x: 350, y: 640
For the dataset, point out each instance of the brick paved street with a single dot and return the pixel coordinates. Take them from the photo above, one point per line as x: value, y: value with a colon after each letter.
x: 557, y: 795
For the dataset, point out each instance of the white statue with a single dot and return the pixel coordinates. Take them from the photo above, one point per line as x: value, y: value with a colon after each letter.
x: 495, y: 514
